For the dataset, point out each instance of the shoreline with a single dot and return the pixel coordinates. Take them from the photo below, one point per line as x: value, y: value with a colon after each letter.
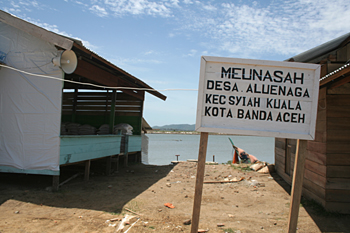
x: 171, y: 132
x: 185, y: 132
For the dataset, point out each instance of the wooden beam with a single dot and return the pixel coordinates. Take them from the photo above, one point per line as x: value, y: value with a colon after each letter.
x: 74, y: 109
x: 112, y: 113
x: 199, y: 181
x: 55, y: 182
x: 87, y: 170
x: 126, y: 150
x: 335, y: 76
x: 297, y: 186
x: 108, y: 165
x: 340, y: 82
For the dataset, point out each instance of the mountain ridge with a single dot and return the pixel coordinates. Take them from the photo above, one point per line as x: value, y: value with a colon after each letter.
x: 176, y: 127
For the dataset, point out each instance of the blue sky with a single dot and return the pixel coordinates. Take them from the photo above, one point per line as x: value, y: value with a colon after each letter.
x: 161, y: 42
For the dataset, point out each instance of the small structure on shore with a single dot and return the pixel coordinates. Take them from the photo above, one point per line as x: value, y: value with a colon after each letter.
x: 51, y: 118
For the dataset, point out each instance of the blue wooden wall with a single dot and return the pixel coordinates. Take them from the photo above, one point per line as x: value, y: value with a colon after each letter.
x: 77, y: 148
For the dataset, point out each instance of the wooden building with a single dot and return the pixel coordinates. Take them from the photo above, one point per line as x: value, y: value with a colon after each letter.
x: 49, y: 118
x: 327, y: 166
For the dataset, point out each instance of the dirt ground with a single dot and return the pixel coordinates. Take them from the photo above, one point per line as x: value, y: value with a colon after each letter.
x: 258, y: 203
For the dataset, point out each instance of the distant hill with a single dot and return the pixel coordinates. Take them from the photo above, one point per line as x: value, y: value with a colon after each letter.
x: 176, y: 127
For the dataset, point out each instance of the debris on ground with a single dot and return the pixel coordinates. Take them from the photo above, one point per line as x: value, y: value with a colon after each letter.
x: 125, y: 221
x: 169, y: 205
x: 93, y: 207
x: 263, y: 167
x: 187, y: 222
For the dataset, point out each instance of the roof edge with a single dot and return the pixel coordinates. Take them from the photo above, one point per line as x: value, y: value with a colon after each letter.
x: 36, y: 31
x: 320, y: 50
x: 150, y: 90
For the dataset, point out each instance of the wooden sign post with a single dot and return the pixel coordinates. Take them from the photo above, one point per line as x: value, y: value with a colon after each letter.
x: 202, y: 154
x: 257, y: 98
x: 297, y: 186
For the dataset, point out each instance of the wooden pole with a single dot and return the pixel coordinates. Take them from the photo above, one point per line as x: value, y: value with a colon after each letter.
x: 108, y: 165
x: 199, y: 181
x: 297, y: 185
x: 112, y: 113
x: 87, y: 170
x: 55, y: 183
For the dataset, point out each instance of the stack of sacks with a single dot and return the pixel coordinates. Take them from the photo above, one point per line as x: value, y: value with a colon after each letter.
x: 63, y: 129
x: 87, y: 130
x: 123, y: 128
x: 72, y: 128
x: 104, y: 129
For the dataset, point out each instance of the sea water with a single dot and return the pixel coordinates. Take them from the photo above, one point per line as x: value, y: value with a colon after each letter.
x: 163, y: 148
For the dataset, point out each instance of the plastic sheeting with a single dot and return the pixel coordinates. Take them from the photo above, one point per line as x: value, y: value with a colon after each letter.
x: 30, y: 106
x: 144, y: 148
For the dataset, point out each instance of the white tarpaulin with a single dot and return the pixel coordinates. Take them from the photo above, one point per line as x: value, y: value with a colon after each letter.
x: 30, y: 106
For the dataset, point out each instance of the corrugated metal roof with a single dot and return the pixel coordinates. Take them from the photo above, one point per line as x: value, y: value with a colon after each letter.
x: 320, y: 50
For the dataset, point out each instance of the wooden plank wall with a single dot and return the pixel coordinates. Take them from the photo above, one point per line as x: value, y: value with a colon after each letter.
x: 338, y: 149
x: 327, y: 165
x: 94, y: 108
x: 85, y: 147
x: 99, y: 103
x: 315, y: 165
x: 280, y: 153
x: 134, y: 143
x: 281, y: 150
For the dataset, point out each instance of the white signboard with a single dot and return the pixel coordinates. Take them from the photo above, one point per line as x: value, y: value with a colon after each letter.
x: 257, y: 97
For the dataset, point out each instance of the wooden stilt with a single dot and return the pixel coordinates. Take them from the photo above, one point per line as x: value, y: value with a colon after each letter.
x: 126, y: 151
x: 118, y: 163
x: 87, y: 170
x: 199, y: 182
x: 297, y: 186
x: 108, y: 165
x: 55, y: 183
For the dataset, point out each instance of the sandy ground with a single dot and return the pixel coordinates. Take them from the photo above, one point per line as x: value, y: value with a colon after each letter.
x: 258, y: 203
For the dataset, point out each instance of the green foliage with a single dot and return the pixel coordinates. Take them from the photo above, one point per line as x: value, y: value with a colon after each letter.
x: 242, y: 167
x: 228, y: 162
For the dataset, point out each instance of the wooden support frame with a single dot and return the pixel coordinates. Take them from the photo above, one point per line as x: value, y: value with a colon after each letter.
x: 297, y: 185
x: 126, y: 151
x: 203, y: 144
x: 112, y: 114
x: 55, y: 182
x: 74, y: 109
x: 87, y: 170
x: 109, y: 165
